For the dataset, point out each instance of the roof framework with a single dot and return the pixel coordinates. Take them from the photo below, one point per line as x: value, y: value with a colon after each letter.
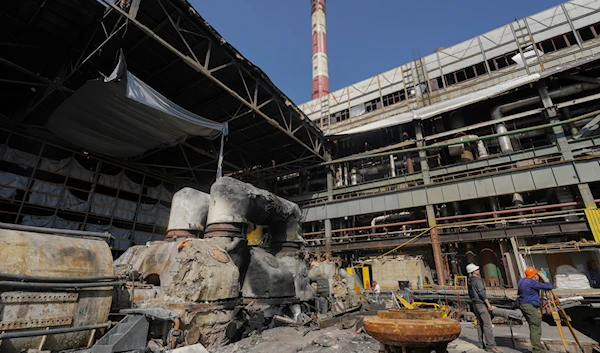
x: 55, y: 47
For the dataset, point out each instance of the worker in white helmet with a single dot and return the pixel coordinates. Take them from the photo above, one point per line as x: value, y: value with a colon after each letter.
x: 482, y: 308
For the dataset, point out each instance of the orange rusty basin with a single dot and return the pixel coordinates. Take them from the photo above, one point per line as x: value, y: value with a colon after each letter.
x: 412, y: 328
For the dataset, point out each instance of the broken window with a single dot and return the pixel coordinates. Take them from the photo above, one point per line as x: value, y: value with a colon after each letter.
x: 586, y: 34
x: 372, y: 105
x: 393, y: 98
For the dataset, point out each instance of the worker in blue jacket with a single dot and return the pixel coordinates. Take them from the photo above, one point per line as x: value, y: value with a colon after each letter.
x: 529, y: 303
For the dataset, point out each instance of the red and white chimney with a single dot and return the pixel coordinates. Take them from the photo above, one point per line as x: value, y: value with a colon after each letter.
x: 320, y: 73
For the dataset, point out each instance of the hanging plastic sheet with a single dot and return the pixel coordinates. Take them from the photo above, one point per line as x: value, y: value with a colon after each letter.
x: 120, y: 181
x: 153, y: 213
x: 67, y: 166
x: 120, y: 236
x: 140, y: 238
x: 10, y: 183
x: 49, y: 222
x: 160, y: 193
x: 22, y: 159
x: 49, y: 195
x: 121, y: 116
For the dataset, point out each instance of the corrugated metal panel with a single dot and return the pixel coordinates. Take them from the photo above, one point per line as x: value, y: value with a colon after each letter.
x: 593, y: 218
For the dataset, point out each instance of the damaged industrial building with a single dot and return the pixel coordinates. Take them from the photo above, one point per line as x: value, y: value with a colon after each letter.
x: 159, y: 193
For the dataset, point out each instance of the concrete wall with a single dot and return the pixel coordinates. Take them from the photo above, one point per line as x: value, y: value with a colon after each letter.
x: 388, y: 271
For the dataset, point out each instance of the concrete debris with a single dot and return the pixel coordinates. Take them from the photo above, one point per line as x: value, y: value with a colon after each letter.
x: 195, y: 348
x: 290, y: 339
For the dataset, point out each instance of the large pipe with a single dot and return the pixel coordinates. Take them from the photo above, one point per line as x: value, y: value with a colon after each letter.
x: 33, y: 285
x: 49, y: 332
x: 40, y: 279
x: 189, y: 210
x: 235, y: 202
x: 389, y: 216
x: 80, y: 233
x: 499, y: 111
x: 320, y: 72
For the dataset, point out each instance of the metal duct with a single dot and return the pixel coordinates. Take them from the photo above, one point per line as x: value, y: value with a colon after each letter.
x: 388, y: 217
x: 353, y: 177
x: 564, y: 195
x: 499, y: 111
x: 235, y: 202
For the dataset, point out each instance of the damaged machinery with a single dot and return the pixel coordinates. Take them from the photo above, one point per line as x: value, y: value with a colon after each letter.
x: 232, y: 263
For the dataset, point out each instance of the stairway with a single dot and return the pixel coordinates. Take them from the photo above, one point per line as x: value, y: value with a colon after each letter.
x: 129, y: 334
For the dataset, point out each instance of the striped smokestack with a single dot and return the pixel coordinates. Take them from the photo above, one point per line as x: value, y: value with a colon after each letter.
x: 320, y: 73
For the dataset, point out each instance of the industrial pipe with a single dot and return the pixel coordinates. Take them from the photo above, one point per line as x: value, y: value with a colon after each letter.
x: 80, y: 233
x: 31, y: 285
x: 189, y: 209
x: 234, y: 202
x: 24, y: 278
x: 483, y: 138
x: 499, y: 111
x: 388, y: 216
x: 50, y: 332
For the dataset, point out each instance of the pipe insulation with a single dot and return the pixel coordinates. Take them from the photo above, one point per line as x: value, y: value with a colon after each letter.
x: 233, y: 201
x: 499, y: 111
x: 483, y: 138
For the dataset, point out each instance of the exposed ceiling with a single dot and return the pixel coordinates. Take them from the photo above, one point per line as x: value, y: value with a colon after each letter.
x: 51, y: 48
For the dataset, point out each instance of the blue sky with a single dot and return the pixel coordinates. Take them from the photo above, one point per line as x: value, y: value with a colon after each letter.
x: 364, y: 38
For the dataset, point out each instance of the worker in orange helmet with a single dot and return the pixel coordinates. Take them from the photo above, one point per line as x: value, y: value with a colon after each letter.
x: 529, y: 303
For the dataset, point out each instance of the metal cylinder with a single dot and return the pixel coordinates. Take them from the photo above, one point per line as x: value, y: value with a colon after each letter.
x: 410, y: 168
x: 189, y: 210
x: 35, y: 254
x: 481, y: 150
x: 504, y: 141
x: 392, y: 166
x: 353, y: 177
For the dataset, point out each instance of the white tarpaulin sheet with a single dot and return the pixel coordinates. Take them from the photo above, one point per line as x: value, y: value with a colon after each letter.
x: 568, y: 277
x: 122, y: 116
x: 9, y: 183
x: 438, y: 108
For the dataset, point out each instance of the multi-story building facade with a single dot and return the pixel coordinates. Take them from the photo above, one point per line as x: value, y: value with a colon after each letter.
x: 486, y: 150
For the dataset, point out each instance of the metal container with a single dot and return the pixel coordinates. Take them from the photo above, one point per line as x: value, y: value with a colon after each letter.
x: 63, y: 259
x: 412, y: 329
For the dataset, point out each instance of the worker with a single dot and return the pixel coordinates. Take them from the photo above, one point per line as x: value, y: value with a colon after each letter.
x: 482, y: 308
x: 529, y: 303
x: 377, y: 291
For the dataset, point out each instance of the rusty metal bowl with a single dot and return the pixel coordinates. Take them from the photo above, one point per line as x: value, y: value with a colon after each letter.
x: 416, y: 328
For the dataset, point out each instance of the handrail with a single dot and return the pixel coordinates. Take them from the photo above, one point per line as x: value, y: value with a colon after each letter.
x: 472, y: 215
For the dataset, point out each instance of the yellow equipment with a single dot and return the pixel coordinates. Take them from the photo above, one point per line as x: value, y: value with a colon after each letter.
x: 443, y: 308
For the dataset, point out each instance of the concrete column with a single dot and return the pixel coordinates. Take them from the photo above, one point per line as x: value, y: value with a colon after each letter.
x: 515, y: 248
x: 328, y: 221
x: 327, y: 239
x: 435, y: 240
x: 559, y: 132
x: 586, y: 195
x: 435, y: 245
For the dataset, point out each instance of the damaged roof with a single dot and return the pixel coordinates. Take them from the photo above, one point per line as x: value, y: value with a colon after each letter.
x: 52, y: 48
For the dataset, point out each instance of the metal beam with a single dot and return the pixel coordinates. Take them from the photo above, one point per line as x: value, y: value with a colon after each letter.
x: 203, y: 69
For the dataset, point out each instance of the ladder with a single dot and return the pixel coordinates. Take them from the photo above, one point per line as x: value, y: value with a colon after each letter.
x: 421, y: 76
x: 560, y: 316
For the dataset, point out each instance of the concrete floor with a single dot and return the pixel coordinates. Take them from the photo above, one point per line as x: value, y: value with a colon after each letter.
x: 334, y: 339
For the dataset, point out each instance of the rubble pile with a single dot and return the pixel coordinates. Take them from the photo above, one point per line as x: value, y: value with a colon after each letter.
x: 305, y: 340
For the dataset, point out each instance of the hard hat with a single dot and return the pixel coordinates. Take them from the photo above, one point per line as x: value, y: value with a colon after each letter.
x: 530, y: 272
x: 472, y: 268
